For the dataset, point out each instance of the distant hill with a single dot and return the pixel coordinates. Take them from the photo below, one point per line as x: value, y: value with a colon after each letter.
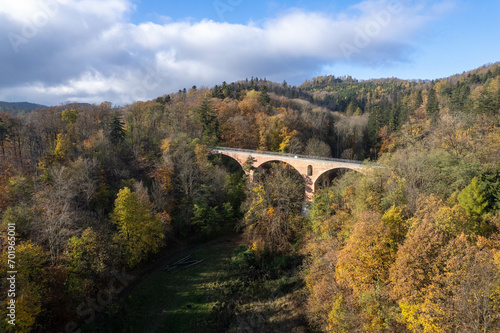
x: 19, y: 107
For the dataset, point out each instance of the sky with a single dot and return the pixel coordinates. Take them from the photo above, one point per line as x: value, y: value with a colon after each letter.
x: 58, y: 51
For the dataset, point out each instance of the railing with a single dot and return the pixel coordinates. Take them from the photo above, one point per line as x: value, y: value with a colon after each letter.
x: 308, y: 157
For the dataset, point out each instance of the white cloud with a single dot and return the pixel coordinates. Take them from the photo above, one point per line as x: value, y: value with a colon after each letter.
x: 87, y: 50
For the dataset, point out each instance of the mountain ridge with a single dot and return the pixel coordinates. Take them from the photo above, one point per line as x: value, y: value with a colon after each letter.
x: 19, y: 107
x: 322, y: 82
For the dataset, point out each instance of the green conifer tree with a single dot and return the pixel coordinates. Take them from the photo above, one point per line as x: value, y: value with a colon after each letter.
x: 473, y: 199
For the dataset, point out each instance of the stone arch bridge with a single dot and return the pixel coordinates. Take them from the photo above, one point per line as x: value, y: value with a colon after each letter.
x: 309, y: 167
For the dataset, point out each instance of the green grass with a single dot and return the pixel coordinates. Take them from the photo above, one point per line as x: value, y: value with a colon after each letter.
x: 230, y: 291
x: 175, y: 301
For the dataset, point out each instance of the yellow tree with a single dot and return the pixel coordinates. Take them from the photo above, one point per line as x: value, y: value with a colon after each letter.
x: 62, y: 148
x: 29, y: 291
x: 415, y: 263
x: 88, y: 257
x: 286, y: 135
x: 463, y: 292
x: 139, y: 232
x: 69, y: 116
x: 363, y: 265
x: 367, y: 255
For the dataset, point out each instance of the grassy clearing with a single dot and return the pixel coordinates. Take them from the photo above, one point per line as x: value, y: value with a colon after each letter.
x: 230, y: 291
x: 176, y: 301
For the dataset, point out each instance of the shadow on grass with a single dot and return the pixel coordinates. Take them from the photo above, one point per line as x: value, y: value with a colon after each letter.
x: 175, y: 301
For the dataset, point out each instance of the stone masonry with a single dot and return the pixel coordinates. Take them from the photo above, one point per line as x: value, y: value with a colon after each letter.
x: 309, y: 167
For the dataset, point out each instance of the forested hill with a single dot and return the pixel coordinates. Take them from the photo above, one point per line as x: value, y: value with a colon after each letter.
x: 346, y: 94
x: 19, y: 107
x: 354, y: 113
x: 93, y: 190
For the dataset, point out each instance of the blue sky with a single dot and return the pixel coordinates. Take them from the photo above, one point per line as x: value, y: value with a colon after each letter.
x: 232, y: 11
x: 55, y: 51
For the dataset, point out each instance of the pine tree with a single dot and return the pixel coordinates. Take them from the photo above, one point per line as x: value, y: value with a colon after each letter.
x: 264, y: 96
x: 374, y: 124
x: 491, y: 185
x: 226, y: 89
x: 419, y: 100
x: 117, y: 131
x: 432, y: 105
x: 210, y: 123
x: 163, y: 100
x: 217, y: 92
x: 473, y: 199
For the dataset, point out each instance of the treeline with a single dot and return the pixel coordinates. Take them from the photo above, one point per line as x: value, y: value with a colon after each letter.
x: 94, y: 190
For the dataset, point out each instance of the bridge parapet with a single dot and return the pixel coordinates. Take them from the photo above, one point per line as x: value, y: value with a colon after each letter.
x: 221, y: 150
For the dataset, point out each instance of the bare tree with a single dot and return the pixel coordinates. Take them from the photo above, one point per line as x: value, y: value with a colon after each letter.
x: 85, y: 175
x: 56, y: 221
x: 316, y: 147
x: 350, y: 133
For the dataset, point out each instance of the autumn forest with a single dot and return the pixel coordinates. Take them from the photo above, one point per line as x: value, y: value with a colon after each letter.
x: 413, y: 245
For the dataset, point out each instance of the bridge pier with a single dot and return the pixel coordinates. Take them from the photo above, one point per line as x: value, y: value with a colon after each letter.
x: 309, y: 190
x: 250, y: 175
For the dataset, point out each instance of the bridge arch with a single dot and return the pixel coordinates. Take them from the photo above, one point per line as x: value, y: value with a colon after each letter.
x: 294, y: 169
x: 262, y: 164
x: 231, y: 165
x: 326, y: 177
